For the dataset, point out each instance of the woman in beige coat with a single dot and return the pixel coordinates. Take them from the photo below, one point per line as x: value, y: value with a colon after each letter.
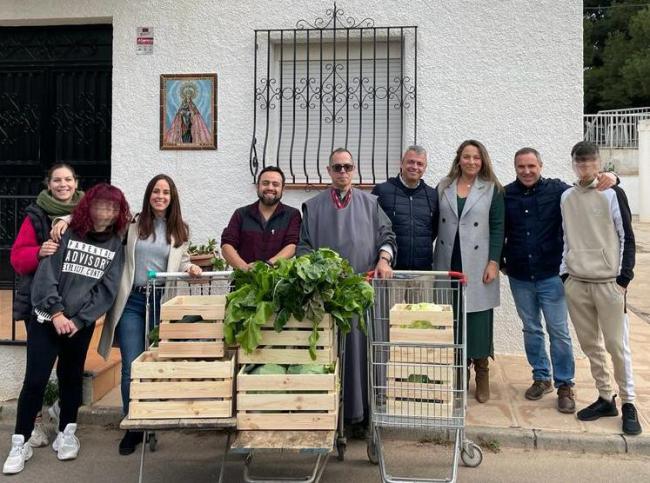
x: 157, y: 240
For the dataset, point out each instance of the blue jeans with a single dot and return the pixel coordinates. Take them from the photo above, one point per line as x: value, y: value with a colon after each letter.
x: 130, y: 333
x: 547, y: 297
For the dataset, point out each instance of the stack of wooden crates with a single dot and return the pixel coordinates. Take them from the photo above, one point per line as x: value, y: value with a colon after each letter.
x: 187, y: 376
x: 289, y: 401
x: 420, y: 379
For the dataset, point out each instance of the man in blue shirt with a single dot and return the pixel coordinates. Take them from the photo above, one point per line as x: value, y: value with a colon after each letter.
x: 531, y: 258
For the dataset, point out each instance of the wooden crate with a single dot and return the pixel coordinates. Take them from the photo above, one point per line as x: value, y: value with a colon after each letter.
x: 442, y: 331
x: 287, y: 401
x: 210, y: 307
x: 400, y: 316
x: 291, y: 345
x: 163, y: 389
x: 433, y: 398
x: 202, y: 339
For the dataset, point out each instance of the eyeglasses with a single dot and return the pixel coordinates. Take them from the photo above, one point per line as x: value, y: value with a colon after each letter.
x: 339, y: 168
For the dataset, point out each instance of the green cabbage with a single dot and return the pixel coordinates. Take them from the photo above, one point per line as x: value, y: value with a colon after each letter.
x: 310, y: 369
x: 269, y: 369
x: 419, y: 324
x: 421, y: 307
x: 419, y: 378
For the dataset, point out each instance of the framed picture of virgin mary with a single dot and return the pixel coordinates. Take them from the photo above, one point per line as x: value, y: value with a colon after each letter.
x: 188, y: 111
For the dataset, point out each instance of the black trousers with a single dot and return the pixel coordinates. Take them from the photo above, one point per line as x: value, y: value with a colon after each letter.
x: 44, y: 345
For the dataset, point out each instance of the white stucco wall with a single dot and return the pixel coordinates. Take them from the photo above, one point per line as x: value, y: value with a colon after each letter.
x: 506, y: 72
x: 12, y: 371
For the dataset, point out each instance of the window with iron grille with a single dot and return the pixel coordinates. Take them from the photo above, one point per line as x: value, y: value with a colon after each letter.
x: 334, y: 83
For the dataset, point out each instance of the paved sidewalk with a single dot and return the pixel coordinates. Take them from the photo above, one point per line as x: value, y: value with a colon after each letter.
x: 508, y: 412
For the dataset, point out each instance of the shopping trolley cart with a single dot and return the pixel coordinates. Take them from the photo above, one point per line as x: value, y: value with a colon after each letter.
x: 417, y: 364
x: 162, y: 286
x: 316, y: 444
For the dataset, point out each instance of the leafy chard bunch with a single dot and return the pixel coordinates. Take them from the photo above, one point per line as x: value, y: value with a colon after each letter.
x: 306, y: 287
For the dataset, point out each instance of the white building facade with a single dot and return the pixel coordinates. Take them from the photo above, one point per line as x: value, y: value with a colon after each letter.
x: 506, y: 72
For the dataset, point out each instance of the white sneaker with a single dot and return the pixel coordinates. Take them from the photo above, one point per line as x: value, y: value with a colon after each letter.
x: 39, y: 436
x: 20, y: 452
x: 66, y: 443
x: 54, y: 411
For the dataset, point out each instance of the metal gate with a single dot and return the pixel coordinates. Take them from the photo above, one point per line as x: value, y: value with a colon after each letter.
x: 55, y: 106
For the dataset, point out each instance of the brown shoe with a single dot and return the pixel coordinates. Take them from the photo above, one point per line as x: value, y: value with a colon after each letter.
x: 538, y: 389
x: 566, y: 402
x: 482, y: 393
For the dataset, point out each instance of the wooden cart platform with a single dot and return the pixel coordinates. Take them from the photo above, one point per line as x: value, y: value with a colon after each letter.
x: 164, y: 424
x: 300, y: 441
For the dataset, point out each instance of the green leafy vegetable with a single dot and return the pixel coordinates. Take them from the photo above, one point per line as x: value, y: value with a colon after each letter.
x: 305, y: 287
x: 424, y: 306
x: 154, y: 336
x: 308, y: 369
x: 269, y: 369
x: 419, y: 324
x: 419, y: 378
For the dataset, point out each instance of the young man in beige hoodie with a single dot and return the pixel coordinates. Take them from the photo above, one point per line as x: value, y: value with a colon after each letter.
x: 597, y: 266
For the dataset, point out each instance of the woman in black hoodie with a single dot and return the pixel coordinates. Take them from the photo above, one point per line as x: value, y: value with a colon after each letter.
x: 71, y: 290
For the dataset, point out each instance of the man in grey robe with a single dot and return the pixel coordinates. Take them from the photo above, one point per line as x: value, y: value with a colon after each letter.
x: 350, y: 222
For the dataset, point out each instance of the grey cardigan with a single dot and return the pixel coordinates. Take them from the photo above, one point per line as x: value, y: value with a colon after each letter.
x: 474, y: 232
x: 178, y: 261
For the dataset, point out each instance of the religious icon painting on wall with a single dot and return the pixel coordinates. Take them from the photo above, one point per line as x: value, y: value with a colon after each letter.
x: 188, y: 111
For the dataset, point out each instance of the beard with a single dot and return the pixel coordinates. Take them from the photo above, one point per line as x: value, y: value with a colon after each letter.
x: 272, y: 201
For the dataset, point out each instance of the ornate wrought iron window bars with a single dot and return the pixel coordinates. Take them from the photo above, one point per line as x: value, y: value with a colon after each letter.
x: 336, y: 82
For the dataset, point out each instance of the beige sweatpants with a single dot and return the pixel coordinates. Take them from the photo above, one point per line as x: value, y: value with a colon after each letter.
x: 597, y: 311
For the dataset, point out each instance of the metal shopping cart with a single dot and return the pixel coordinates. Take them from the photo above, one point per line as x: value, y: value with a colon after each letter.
x: 161, y: 287
x: 417, y: 365
x: 315, y: 444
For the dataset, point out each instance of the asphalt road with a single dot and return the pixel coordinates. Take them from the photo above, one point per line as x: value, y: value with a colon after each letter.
x: 193, y: 457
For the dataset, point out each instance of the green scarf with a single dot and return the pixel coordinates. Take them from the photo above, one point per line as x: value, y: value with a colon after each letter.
x: 54, y: 207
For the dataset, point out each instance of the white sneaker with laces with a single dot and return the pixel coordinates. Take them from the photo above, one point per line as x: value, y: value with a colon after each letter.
x: 20, y: 452
x: 54, y: 411
x: 66, y: 443
x: 39, y: 436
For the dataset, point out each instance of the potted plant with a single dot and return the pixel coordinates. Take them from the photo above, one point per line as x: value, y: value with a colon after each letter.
x: 207, y: 256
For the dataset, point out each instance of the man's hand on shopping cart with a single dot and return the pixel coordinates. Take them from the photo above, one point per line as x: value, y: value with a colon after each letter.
x: 194, y: 270
x: 383, y: 268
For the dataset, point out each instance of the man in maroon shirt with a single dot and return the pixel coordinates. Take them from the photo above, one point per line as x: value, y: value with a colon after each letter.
x: 267, y: 230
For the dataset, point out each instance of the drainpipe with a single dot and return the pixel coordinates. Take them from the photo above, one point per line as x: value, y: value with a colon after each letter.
x: 644, y: 170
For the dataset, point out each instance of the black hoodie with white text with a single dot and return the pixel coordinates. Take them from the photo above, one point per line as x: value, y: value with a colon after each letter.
x: 80, y: 279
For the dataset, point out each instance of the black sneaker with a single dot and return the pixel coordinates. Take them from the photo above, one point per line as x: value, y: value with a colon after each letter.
x: 631, y: 423
x: 600, y: 408
x: 129, y: 442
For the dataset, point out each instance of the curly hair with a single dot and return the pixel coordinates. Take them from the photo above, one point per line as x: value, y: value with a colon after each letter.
x: 82, y: 222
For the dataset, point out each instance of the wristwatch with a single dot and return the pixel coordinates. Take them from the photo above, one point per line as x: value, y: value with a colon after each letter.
x: 384, y: 257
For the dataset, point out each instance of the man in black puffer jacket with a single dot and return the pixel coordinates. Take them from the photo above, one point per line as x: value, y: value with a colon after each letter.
x: 412, y: 207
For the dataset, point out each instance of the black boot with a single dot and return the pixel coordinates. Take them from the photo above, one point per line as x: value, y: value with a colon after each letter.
x: 129, y: 442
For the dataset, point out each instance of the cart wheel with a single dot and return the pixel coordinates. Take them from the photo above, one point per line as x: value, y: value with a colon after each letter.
x: 341, y: 447
x: 471, y: 454
x: 153, y: 442
x: 371, y: 449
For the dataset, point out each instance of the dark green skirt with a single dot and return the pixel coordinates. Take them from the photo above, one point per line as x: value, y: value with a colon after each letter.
x: 480, y: 325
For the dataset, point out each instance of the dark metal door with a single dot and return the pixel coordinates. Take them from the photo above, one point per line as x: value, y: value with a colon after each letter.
x: 55, y: 106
